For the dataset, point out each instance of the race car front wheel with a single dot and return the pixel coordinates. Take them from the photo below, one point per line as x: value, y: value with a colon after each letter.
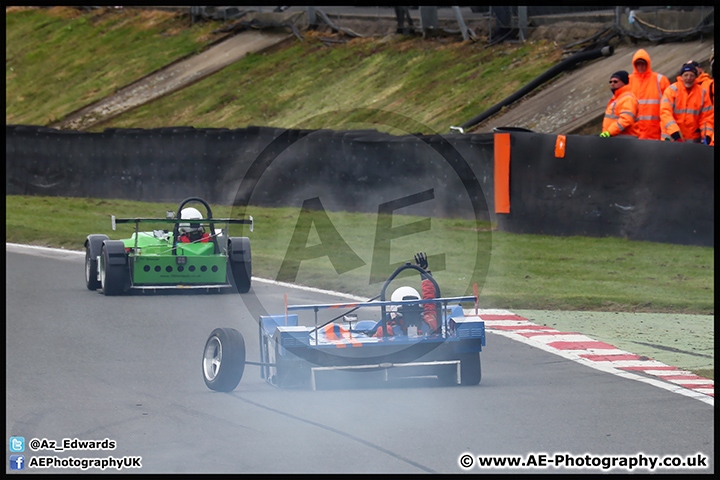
x: 240, y: 263
x: 223, y: 360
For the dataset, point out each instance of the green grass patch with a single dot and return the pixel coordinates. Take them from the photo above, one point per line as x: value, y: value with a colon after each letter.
x: 705, y: 372
x: 514, y: 272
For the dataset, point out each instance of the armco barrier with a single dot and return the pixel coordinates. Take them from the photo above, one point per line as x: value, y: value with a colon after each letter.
x: 638, y: 189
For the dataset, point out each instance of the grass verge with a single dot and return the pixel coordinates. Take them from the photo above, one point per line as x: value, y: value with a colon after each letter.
x: 515, y: 272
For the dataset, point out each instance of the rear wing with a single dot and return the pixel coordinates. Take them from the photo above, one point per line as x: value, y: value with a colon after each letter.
x: 322, y: 306
x: 208, y: 221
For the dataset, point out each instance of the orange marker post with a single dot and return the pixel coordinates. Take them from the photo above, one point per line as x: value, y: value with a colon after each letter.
x: 477, y: 300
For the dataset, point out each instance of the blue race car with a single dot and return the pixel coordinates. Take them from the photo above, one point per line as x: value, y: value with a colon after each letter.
x: 403, y: 341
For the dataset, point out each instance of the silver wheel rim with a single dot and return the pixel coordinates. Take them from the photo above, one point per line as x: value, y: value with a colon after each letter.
x: 87, y: 267
x: 212, y: 358
x: 102, y: 274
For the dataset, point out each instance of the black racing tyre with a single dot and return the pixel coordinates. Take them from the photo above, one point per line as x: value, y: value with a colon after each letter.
x: 91, y: 272
x: 93, y: 246
x: 240, y: 263
x: 223, y: 360
x: 470, y: 369
x: 114, y: 272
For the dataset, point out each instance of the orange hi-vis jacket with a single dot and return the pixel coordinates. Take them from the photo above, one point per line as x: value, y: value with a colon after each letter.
x: 704, y: 80
x: 689, y: 112
x: 648, y: 88
x: 621, y: 113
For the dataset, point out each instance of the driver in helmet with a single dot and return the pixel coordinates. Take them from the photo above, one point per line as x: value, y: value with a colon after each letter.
x: 429, y: 312
x: 191, y: 232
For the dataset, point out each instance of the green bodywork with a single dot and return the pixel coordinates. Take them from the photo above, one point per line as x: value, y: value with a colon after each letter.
x: 152, y: 262
x: 167, y: 259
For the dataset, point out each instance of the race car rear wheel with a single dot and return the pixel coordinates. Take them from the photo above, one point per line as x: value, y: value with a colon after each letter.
x: 91, y: 266
x: 470, y: 369
x: 93, y: 246
x: 240, y: 263
x: 223, y: 360
x: 114, y: 273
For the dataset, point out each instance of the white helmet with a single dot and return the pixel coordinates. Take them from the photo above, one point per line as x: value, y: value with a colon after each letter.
x: 405, y: 293
x: 190, y: 213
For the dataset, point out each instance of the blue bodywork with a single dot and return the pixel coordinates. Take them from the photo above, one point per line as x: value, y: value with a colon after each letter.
x: 294, y: 355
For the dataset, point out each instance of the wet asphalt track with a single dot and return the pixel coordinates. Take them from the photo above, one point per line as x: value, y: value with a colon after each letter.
x: 81, y: 365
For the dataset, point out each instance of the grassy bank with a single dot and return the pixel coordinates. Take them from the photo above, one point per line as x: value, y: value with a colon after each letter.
x: 514, y: 271
x: 60, y: 59
x: 52, y: 69
x: 309, y: 85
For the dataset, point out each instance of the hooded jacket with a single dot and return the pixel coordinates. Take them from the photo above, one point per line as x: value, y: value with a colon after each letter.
x: 704, y: 79
x: 621, y: 113
x: 648, y: 87
x: 688, y: 112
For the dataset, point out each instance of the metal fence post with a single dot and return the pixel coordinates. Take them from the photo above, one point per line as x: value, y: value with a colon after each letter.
x: 312, y: 17
x: 428, y: 20
x: 523, y: 22
x: 461, y: 23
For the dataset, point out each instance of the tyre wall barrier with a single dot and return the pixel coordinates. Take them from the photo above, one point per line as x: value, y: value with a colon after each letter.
x: 624, y: 187
x: 638, y: 189
x: 346, y: 170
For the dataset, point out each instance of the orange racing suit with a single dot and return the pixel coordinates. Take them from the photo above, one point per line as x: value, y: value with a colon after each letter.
x: 429, y: 315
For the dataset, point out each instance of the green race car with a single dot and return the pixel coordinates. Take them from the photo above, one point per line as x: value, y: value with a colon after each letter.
x: 190, y: 254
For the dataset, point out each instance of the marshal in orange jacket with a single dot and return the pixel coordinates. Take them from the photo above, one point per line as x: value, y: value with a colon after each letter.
x: 689, y: 112
x: 621, y: 113
x: 704, y: 80
x: 648, y: 87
